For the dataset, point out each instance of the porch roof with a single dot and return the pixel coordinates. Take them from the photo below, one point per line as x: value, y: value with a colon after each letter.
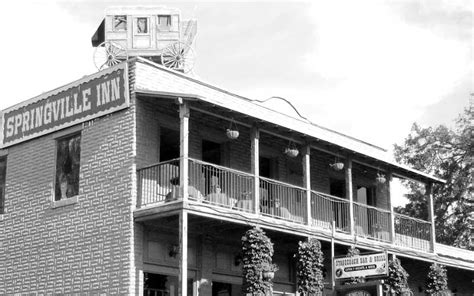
x: 156, y: 80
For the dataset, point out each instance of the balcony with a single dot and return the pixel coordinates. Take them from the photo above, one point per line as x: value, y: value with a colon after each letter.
x: 233, y: 191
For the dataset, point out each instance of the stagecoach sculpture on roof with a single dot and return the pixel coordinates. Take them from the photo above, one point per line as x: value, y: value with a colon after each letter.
x: 156, y: 33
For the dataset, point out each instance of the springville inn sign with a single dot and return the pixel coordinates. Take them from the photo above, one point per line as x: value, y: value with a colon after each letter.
x: 93, y: 96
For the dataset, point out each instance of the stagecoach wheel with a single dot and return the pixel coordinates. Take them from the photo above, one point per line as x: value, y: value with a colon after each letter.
x: 178, y: 56
x: 109, y: 54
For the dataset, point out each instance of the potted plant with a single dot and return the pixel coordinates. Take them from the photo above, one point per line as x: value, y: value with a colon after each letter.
x: 291, y: 152
x: 337, y: 166
x: 437, y: 280
x: 257, y: 253
x: 380, y: 178
x: 268, y: 270
x: 309, y: 267
x: 232, y: 132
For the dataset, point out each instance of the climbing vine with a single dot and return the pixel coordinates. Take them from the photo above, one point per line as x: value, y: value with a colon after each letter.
x: 397, y: 281
x: 257, y: 253
x: 309, y: 267
x: 437, y: 280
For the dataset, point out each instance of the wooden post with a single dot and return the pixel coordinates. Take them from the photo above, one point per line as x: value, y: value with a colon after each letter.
x: 390, y: 206
x: 255, y: 167
x: 431, y: 217
x: 184, y: 148
x: 307, y: 181
x: 349, y: 193
x: 333, y: 279
x: 183, y: 253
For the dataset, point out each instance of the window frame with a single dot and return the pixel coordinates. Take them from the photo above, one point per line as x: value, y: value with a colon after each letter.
x: 63, y: 136
x: 3, y: 185
x: 135, y: 25
x: 164, y: 28
x: 114, y: 28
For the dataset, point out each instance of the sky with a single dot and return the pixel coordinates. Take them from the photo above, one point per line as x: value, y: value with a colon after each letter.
x: 369, y: 69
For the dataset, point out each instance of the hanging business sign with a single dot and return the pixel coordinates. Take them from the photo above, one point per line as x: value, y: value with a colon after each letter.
x: 368, y: 265
x: 93, y: 96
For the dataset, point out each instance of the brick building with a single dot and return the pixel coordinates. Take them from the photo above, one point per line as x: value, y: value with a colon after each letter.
x: 126, y: 182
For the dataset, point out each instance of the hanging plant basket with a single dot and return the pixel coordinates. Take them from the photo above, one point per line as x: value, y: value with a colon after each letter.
x: 337, y: 166
x: 268, y: 275
x: 232, y: 132
x: 291, y: 152
x: 380, y: 178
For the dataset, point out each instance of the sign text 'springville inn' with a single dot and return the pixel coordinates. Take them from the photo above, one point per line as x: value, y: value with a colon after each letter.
x: 94, y: 96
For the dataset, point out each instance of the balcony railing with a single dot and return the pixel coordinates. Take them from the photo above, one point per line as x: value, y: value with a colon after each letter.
x: 155, y: 182
x: 281, y: 200
x: 327, y: 208
x: 412, y: 232
x: 232, y: 189
x: 155, y: 292
x: 220, y: 186
x: 372, y: 222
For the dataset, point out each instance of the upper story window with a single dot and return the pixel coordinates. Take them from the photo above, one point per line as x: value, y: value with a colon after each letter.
x: 142, y: 25
x: 164, y: 22
x: 120, y: 23
x: 67, y: 166
x: 3, y: 173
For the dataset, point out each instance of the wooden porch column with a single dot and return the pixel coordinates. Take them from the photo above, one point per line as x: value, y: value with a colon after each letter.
x: 333, y: 253
x: 183, y: 253
x: 390, y: 206
x: 349, y: 193
x: 307, y: 181
x: 431, y: 217
x: 255, y: 136
x: 184, y: 148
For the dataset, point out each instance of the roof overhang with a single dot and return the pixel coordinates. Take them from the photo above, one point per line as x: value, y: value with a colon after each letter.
x: 152, y: 79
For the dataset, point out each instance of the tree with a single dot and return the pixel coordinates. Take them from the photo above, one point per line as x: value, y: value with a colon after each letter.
x: 448, y: 154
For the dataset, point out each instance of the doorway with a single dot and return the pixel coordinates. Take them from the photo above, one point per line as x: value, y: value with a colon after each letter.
x: 211, y: 153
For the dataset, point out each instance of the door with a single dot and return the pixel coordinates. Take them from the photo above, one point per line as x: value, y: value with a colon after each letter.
x: 211, y: 153
x: 337, y: 187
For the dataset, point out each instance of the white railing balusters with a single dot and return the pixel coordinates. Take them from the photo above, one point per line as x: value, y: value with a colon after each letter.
x: 412, y: 232
x: 225, y: 187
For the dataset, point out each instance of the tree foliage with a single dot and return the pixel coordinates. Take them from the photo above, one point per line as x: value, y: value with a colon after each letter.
x: 447, y: 153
